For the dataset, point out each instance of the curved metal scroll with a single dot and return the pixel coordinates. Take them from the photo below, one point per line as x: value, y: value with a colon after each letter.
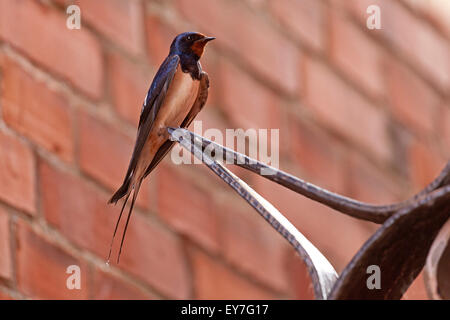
x: 399, y: 247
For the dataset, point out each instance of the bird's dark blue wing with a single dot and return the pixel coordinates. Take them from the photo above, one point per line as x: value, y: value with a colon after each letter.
x: 162, y: 78
x: 152, y: 103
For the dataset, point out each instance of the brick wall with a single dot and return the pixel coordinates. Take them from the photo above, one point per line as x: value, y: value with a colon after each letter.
x: 365, y: 113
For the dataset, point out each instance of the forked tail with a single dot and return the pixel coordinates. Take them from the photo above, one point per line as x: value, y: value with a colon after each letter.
x: 123, y: 191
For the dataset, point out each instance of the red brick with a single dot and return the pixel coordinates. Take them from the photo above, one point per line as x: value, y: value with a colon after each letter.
x: 417, y: 290
x: 425, y: 164
x: 187, y: 209
x: 129, y: 86
x: 256, y: 3
x: 268, y: 53
x: 418, y: 110
x: 120, y: 21
x: 211, y: 118
x: 6, y: 270
x: 305, y: 19
x: 422, y: 46
x: 17, y: 174
x: 67, y: 200
x: 105, y: 153
x: 155, y: 256
x: 4, y: 295
x: 253, y: 246
x: 345, y: 111
x: 366, y: 183
x: 445, y: 126
x: 109, y: 287
x: 318, y: 157
x: 437, y: 11
x: 41, y: 267
x: 299, y: 278
x: 36, y: 111
x: 246, y: 102
x: 159, y: 38
x: 74, y: 55
x: 356, y: 55
x: 213, y: 280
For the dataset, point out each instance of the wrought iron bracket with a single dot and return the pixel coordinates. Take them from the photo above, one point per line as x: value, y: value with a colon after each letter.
x: 399, y: 247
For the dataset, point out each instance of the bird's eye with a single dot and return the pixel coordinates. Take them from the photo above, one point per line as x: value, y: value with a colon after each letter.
x: 189, y: 38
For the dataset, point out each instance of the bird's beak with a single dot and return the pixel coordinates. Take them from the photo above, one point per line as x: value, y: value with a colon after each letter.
x: 205, y: 40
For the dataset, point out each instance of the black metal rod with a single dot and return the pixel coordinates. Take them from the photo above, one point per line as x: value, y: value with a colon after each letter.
x: 351, y: 207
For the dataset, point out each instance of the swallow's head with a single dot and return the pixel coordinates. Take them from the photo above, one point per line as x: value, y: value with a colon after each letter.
x: 190, y: 43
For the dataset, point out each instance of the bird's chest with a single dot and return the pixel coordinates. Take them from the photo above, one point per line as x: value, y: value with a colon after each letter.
x: 179, y: 99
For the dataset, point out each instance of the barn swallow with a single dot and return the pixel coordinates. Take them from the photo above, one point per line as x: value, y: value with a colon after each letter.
x: 178, y: 92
